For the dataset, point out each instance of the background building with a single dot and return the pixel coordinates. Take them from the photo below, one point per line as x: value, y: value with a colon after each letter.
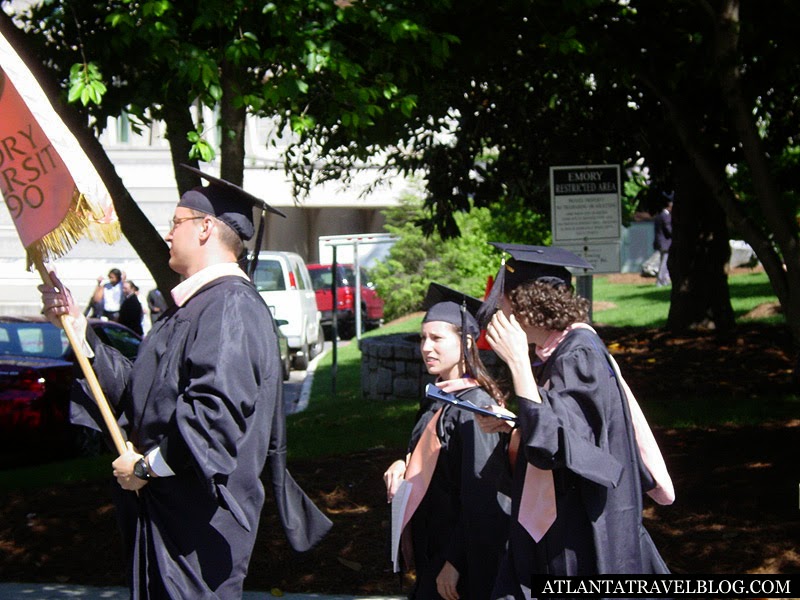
x: 144, y: 163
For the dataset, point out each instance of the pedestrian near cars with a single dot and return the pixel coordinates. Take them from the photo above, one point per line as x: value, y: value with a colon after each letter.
x: 108, y: 295
x: 582, y: 453
x: 156, y: 305
x: 202, y: 410
x: 458, y: 528
x: 130, y: 311
x: 662, y: 242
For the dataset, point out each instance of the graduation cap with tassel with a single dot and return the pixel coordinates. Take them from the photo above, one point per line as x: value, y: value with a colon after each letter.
x: 525, y: 263
x: 451, y: 306
x: 233, y: 206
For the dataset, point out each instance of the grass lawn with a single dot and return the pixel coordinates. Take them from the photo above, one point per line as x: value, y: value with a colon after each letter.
x: 73, y: 470
x: 343, y: 423
x: 645, y: 305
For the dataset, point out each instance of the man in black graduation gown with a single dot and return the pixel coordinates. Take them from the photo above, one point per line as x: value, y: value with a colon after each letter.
x: 202, y: 411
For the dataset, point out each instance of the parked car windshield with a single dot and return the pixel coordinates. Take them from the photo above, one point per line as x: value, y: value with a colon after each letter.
x: 33, y: 339
x: 44, y: 340
x: 321, y: 279
x: 347, y: 276
x: 269, y: 276
x: 121, y: 339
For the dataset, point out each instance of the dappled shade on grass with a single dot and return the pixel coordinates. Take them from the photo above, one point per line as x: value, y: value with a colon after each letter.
x: 736, y: 485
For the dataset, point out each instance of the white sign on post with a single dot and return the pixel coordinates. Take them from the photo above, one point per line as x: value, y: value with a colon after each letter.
x: 586, y: 213
x: 604, y: 257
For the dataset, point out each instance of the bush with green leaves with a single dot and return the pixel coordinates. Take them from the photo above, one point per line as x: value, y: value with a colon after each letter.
x: 464, y: 263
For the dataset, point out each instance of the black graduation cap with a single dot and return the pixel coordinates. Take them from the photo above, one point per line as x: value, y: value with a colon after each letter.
x: 227, y: 202
x: 451, y: 306
x: 547, y: 264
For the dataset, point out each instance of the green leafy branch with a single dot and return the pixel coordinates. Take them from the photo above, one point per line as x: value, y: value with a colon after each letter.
x: 200, y: 149
x: 86, y: 84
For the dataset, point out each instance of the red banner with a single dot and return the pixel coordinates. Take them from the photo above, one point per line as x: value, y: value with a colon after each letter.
x: 30, y: 170
x: 52, y: 190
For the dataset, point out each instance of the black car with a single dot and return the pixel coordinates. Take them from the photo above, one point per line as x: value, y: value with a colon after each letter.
x: 36, y: 375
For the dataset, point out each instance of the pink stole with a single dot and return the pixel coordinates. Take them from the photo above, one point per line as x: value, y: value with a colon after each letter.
x: 537, y: 511
x: 422, y: 462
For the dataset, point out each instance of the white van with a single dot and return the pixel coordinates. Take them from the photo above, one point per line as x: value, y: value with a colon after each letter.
x: 283, y: 281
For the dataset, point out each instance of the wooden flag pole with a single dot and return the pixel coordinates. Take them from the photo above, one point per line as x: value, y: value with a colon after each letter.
x: 99, y: 397
x: 77, y: 201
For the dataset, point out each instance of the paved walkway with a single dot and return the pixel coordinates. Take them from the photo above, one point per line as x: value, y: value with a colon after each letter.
x: 57, y: 591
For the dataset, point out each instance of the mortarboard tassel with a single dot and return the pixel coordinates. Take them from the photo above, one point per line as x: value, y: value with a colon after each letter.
x: 257, y: 246
x: 492, y: 302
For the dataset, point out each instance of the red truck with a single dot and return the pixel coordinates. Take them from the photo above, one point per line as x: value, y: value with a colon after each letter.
x: 371, y: 304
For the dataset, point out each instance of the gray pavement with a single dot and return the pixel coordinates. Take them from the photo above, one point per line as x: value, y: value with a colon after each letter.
x: 295, y: 395
x: 298, y: 388
x: 60, y: 591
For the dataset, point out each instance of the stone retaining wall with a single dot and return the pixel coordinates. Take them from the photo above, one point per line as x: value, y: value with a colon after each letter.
x: 392, y: 367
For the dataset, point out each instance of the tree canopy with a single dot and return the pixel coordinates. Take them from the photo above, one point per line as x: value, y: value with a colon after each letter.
x: 481, y: 97
x: 164, y: 60
x: 700, y: 96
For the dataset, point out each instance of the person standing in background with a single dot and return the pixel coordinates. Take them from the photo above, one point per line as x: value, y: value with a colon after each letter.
x: 130, y: 312
x: 663, y: 242
x: 110, y: 294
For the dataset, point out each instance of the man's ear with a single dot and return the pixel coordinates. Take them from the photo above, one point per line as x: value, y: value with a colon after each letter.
x: 205, y: 230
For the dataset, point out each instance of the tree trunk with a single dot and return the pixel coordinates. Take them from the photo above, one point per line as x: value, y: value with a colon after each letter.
x: 697, y: 258
x: 178, y: 119
x: 232, y: 145
x: 781, y: 225
x: 232, y: 125
x: 137, y: 228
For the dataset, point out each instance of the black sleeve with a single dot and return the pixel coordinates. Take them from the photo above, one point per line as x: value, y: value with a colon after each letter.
x: 112, y: 370
x: 564, y: 429
x: 482, y: 463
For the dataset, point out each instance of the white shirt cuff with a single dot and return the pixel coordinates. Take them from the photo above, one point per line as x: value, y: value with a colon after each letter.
x: 79, y: 325
x: 157, y: 463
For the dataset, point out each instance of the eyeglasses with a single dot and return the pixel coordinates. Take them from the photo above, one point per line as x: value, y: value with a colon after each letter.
x: 173, y: 223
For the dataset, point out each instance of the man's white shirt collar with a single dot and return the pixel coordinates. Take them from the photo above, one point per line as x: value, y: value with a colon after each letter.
x: 188, y: 288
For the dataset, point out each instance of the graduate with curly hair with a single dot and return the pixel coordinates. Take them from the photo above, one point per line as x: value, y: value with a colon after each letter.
x: 582, y: 453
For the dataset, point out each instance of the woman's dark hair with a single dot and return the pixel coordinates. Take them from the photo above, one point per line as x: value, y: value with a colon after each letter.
x: 539, y: 304
x: 480, y: 373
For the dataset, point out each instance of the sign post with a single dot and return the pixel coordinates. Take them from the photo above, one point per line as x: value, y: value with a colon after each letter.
x: 587, y: 217
x: 353, y: 241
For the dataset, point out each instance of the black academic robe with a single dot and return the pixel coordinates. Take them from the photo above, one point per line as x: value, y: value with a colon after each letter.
x: 130, y: 314
x: 463, y: 518
x: 206, y: 388
x: 582, y: 433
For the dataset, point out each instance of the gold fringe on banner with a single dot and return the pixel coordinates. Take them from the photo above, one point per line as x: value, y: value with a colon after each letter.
x: 82, y: 221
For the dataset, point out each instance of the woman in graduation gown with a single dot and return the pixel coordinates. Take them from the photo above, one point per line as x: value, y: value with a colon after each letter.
x: 458, y: 530
x: 578, y: 470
